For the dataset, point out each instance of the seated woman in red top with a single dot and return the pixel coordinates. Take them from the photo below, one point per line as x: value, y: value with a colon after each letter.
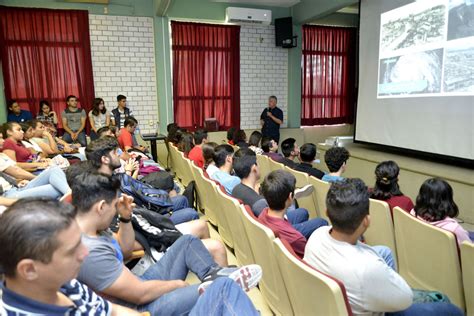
x: 15, y: 150
x: 386, y: 186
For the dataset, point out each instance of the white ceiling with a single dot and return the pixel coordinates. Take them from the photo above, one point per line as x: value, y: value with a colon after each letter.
x: 272, y: 3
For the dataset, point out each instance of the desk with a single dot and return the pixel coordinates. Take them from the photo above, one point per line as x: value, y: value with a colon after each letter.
x: 152, y: 139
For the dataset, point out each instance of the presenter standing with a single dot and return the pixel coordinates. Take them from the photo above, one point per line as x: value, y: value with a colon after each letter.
x: 271, y: 119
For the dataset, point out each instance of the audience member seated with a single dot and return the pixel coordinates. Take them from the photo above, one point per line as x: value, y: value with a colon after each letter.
x: 74, y: 122
x: 106, y: 131
x: 223, y: 157
x: 200, y: 138
x: 197, y: 228
x: 40, y: 272
x: 174, y: 134
x: 186, y: 143
x: 103, y: 154
x: 34, y: 149
x: 15, y: 150
x: 435, y: 205
x: 254, y: 142
x: 278, y: 189
x: 161, y: 290
x: 56, y: 254
x: 336, y: 161
x: 307, y: 156
x: 240, y: 139
x: 386, y: 186
x: 99, y: 117
x: 16, y: 114
x: 120, y: 113
x: 230, y: 135
x: 42, y: 138
x: 290, y: 151
x: 208, y: 155
x: 270, y: 149
x: 18, y: 183
x: 46, y: 115
x: 125, y: 137
x: 371, y: 281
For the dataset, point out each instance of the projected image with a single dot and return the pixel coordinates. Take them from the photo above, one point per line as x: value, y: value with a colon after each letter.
x: 412, y: 25
x: 461, y: 19
x: 416, y: 73
x: 459, y: 69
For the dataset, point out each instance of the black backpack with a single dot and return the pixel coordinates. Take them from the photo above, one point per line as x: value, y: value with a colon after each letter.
x: 158, y: 230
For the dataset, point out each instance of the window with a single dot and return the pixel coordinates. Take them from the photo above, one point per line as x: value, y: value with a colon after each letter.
x: 328, y: 75
x: 206, y: 74
x: 46, y: 55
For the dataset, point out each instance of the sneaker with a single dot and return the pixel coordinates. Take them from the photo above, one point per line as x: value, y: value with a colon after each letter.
x: 307, y: 190
x: 247, y: 277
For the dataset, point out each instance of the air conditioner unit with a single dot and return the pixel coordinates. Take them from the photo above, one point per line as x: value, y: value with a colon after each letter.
x: 246, y: 15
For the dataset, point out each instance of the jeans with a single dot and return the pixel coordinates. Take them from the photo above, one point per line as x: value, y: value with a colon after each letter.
x: 81, y: 138
x: 386, y: 254
x: 93, y: 135
x: 49, y: 183
x: 299, y: 220
x: 181, y: 211
x: 431, y: 309
x: 186, y: 254
x: 224, y: 298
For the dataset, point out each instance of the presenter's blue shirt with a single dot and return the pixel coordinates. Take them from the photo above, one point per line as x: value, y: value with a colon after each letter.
x: 85, y: 302
x: 23, y: 117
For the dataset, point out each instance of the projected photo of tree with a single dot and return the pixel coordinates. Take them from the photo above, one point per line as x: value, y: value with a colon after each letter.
x: 416, y: 73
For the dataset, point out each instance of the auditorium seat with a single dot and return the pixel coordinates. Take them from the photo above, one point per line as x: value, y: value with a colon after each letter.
x: 205, y: 189
x: 221, y: 210
x: 271, y: 285
x: 263, y: 166
x: 321, y: 189
x: 467, y: 262
x: 232, y: 212
x: 428, y: 257
x: 380, y: 231
x: 306, y: 202
x: 310, y: 291
x: 275, y: 165
x: 187, y: 175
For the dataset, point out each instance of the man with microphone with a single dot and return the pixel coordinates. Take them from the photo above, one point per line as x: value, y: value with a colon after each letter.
x: 271, y: 119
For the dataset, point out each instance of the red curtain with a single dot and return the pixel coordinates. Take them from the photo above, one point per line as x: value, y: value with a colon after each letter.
x: 46, y: 55
x: 328, y: 75
x: 206, y: 74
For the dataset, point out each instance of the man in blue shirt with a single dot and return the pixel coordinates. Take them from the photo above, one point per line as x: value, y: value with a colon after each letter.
x: 16, y: 114
x: 223, y: 158
x: 271, y: 119
x: 336, y: 161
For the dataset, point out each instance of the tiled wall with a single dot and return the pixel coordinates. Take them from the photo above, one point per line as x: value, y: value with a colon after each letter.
x: 263, y: 72
x: 123, y: 61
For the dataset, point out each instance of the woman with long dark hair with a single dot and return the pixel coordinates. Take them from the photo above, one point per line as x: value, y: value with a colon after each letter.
x: 386, y: 186
x: 98, y: 117
x: 186, y: 143
x: 46, y: 114
x: 435, y: 205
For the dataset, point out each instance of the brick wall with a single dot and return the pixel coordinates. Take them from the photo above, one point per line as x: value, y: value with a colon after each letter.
x: 123, y: 61
x: 263, y: 72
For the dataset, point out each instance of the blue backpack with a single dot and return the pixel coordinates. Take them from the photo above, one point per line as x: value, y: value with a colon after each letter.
x: 145, y: 195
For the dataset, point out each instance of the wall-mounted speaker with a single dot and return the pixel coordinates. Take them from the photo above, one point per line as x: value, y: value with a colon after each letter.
x: 284, y: 32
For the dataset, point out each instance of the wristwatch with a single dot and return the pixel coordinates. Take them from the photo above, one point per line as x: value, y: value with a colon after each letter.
x: 125, y: 220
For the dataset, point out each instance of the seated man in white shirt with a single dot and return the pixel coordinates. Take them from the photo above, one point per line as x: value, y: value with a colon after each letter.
x: 372, y: 285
